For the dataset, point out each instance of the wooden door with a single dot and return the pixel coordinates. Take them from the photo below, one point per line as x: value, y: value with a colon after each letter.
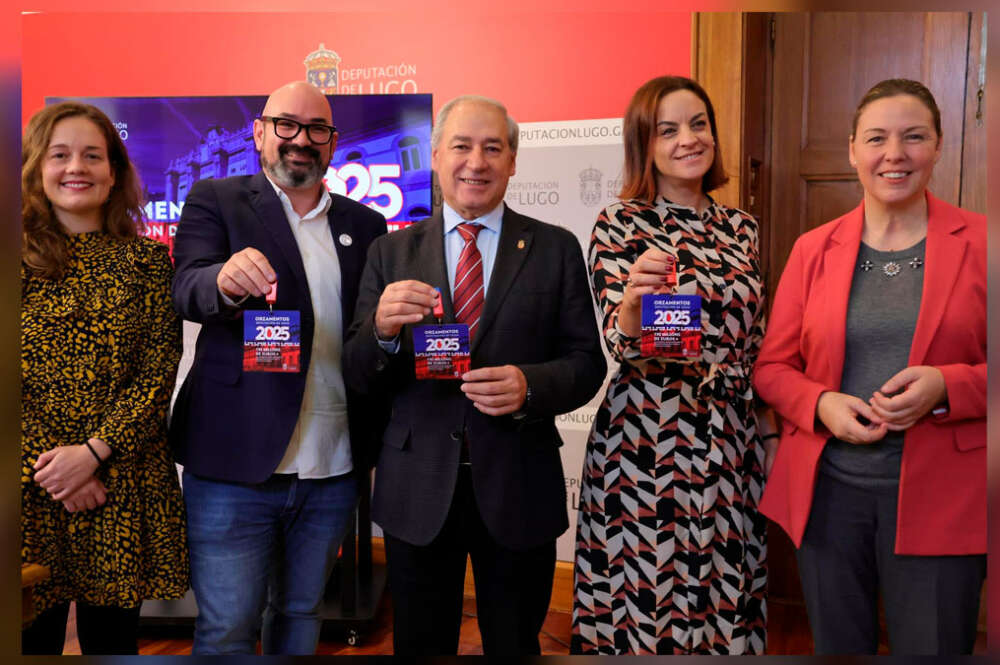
x: 823, y: 63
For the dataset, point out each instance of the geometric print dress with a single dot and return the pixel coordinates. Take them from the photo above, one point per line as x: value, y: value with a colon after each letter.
x: 670, y: 548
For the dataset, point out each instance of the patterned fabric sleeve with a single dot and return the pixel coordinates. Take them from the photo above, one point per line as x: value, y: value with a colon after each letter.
x: 756, y: 337
x: 610, y: 259
x: 141, y: 406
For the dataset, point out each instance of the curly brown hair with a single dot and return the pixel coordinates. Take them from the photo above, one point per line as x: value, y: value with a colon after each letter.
x: 639, y: 134
x: 43, y: 239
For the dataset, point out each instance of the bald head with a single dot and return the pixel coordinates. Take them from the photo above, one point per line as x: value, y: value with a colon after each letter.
x: 299, y: 100
x: 292, y: 160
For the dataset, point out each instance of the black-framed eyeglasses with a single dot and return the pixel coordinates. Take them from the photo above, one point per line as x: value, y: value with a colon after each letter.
x: 286, y: 128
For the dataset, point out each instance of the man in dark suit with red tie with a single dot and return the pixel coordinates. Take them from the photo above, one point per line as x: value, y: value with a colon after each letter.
x: 471, y: 466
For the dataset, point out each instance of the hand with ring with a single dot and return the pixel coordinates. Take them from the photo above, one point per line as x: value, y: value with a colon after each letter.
x: 651, y: 273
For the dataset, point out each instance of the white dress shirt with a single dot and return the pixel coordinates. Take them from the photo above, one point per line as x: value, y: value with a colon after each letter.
x: 320, y: 446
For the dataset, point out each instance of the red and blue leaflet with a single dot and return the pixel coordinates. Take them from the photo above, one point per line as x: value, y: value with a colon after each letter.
x: 271, y: 341
x: 442, y: 351
x: 671, y: 326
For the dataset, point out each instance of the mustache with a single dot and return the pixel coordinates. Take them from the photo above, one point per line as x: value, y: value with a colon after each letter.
x: 308, y: 151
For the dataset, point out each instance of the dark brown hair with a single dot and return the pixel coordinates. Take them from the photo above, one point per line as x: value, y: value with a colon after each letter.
x: 43, y: 240
x: 892, y: 88
x: 640, y: 133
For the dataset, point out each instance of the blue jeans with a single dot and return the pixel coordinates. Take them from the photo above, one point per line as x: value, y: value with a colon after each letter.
x: 263, y: 549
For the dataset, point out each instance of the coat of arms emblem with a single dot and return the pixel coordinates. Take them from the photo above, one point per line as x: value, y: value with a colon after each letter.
x: 323, y: 69
x: 590, y: 186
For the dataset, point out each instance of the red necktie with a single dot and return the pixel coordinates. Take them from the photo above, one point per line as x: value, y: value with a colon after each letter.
x: 468, y: 298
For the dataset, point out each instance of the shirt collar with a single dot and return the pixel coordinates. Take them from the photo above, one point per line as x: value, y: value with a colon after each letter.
x: 490, y: 220
x: 671, y: 204
x: 325, y: 200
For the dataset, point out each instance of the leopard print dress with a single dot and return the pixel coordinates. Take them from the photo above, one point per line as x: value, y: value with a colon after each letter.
x: 670, y: 550
x: 99, y: 353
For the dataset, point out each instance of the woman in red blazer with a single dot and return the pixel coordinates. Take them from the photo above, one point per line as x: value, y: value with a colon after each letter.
x: 875, y: 358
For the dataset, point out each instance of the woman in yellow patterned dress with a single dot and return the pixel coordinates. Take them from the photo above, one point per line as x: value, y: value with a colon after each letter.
x: 100, y: 501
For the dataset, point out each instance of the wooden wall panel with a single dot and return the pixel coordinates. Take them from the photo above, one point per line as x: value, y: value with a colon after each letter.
x: 973, y: 188
x: 717, y: 65
x: 828, y: 198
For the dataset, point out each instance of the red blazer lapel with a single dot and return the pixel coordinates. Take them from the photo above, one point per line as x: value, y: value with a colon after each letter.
x: 945, y: 253
x: 838, y: 269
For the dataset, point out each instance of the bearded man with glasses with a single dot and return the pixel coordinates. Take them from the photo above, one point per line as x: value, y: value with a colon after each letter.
x: 272, y: 459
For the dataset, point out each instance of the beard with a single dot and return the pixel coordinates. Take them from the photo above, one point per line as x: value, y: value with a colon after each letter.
x: 286, y: 174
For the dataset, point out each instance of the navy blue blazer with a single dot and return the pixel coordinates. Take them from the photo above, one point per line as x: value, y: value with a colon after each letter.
x: 227, y: 424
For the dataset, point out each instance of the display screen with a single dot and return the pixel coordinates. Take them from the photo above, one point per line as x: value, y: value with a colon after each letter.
x: 382, y: 158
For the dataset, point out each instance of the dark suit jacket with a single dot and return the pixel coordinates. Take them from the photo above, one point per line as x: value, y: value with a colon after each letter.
x: 538, y: 316
x: 231, y: 425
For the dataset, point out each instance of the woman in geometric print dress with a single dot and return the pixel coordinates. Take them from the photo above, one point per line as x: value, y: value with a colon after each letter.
x: 100, y: 501
x: 670, y: 551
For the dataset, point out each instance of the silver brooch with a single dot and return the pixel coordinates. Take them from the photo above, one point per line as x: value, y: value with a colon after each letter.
x: 892, y: 268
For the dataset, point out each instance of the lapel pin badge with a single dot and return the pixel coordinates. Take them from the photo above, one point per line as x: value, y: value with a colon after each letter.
x: 345, y: 240
x: 520, y: 244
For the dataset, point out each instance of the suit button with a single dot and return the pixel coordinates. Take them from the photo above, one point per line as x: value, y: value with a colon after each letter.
x: 379, y: 365
x: 456, y: 436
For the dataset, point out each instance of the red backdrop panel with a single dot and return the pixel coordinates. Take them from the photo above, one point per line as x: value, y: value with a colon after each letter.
x: 543, y: 65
